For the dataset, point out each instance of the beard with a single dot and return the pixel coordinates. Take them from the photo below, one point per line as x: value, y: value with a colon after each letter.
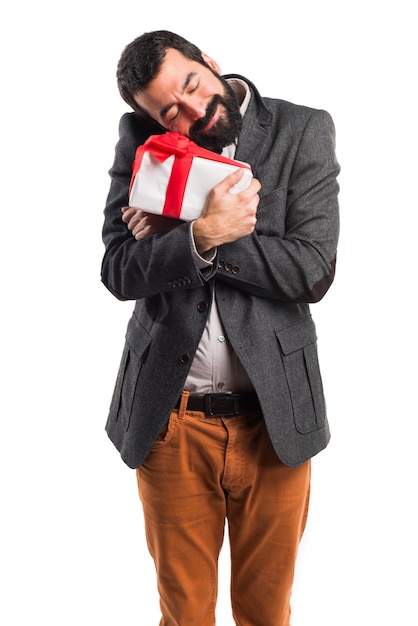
x: 226, y: 129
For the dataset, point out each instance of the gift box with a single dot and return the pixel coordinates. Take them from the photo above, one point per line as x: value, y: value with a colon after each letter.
x: 172, y: 176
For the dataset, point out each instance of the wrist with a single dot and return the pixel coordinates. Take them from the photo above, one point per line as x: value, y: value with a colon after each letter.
x: 202, y: 241
x: 202, y: 258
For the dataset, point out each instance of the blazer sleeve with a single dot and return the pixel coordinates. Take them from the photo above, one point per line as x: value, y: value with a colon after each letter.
x: 294, y: 262
x: 134, y: 269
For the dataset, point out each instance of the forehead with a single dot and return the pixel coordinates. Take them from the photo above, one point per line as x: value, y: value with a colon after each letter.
x: 174, y: 62
x: 174, y: 74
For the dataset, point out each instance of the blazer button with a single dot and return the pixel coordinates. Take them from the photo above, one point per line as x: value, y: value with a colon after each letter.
x: 235, y: 269
x: 202, y: 307
x: 184, y: 357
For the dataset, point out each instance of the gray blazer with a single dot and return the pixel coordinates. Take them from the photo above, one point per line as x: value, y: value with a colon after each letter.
x: 264, y: 284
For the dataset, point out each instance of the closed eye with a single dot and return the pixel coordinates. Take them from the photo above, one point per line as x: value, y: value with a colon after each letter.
x: 176, y: 114
x: 195, y: 88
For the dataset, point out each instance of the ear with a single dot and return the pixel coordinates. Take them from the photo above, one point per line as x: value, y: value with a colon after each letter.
x: 211, y: 63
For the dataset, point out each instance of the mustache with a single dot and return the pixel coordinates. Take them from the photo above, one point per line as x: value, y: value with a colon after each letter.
x: 210, y: 111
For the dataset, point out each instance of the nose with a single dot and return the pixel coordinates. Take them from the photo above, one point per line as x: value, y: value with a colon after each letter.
x: 196, y: 109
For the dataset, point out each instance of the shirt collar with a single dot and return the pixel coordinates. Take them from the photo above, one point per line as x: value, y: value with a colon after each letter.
x: 239, y: 86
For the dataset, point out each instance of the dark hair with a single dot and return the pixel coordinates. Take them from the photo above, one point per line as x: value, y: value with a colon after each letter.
x: 141, y: 61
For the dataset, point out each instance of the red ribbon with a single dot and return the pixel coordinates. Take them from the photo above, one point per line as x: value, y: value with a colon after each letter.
x: 184, y: 150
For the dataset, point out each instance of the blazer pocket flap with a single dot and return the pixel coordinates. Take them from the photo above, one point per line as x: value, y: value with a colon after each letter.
x: 272, y: 197
x: 297, y: 336
x: 137, y: 337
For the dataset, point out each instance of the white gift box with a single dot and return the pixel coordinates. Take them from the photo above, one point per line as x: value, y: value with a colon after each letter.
x: 173, y: 176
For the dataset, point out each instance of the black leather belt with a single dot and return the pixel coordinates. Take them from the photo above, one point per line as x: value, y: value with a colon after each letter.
x: 222, y: 404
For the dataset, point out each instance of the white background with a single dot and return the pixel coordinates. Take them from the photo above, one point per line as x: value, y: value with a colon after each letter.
x: 73, y: 550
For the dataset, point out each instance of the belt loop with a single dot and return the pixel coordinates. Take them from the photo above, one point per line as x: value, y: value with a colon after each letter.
x: 183, y: 403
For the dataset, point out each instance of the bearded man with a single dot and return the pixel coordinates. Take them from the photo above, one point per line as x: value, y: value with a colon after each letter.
x: 219, y: 404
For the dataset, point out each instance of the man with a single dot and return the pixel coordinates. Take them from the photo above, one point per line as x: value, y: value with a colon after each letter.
x: 219, y: 403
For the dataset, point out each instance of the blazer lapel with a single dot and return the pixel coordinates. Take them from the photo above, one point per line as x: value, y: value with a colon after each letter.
x: 254, y: 132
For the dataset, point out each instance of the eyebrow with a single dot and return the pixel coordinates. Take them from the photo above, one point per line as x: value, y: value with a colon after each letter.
x: 186, y: 83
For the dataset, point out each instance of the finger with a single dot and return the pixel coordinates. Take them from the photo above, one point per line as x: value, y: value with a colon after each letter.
x: 128, y: 213
x: 140, y: 224
x: 143, y: 233
x: 232, y: 179
x: 250, y: 194
x: 136, y: 229
x: 135, y: 219
x: 255, y: 186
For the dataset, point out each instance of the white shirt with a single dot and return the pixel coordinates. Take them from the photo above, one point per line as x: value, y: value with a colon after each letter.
x: 215, y: 367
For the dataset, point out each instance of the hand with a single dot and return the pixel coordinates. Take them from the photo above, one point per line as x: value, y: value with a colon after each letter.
x: 227, y: 216
x: 143, y: 224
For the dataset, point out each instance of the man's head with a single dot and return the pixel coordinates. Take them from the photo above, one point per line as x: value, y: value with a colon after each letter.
x: 164, y: 76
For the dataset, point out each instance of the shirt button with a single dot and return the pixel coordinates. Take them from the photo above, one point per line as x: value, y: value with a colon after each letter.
x: 221, y: 338
x: 220, y: 385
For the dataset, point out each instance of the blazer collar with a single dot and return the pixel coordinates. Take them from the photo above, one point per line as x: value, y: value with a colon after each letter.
x: 255, y: 125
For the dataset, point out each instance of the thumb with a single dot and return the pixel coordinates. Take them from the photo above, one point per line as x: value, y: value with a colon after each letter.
x: 232, y: 179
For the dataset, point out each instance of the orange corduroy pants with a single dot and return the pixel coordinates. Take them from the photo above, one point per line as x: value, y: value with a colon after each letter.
x: 200, y: 473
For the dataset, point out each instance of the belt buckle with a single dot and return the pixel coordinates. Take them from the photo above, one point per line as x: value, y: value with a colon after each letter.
x: 225, y: 404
